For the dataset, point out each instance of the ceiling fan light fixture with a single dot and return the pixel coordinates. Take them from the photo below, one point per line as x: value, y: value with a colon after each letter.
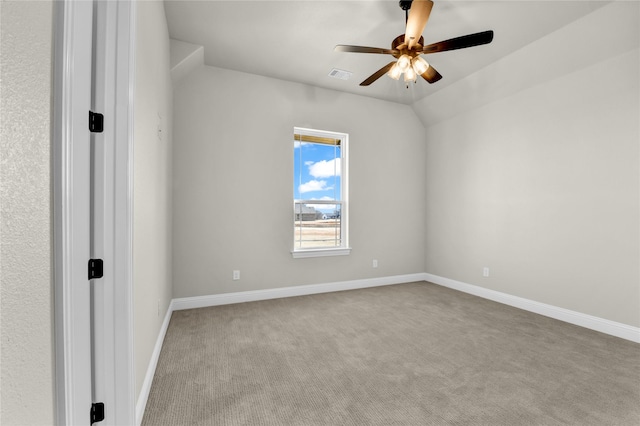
x: 395, y: 72
x: 419, y: 65
x: 409, y: 75
x: 404, y: 63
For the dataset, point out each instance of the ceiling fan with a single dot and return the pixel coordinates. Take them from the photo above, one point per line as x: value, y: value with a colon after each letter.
x: 408, y: 47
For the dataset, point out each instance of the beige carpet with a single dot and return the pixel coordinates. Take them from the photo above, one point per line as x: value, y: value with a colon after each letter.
x: 409, y: 354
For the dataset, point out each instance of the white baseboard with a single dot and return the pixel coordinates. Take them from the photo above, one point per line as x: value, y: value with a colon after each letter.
x: 602, y: 325
x: 277, y: 293
x: 151, y: 369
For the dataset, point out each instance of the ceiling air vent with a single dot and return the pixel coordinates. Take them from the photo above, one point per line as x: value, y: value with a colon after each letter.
x: 341, y: 74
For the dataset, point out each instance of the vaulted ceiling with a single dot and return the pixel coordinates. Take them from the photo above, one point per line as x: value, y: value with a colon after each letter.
x: 295, y: 40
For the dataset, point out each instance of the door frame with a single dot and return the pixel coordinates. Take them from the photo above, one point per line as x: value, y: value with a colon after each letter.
x: 73, y: 26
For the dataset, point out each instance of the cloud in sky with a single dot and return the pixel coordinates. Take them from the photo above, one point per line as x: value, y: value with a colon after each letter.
x: 314, y: 185
x: 325, y: 168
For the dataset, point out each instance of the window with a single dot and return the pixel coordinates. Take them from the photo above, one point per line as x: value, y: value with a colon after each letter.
x: 319, y: 193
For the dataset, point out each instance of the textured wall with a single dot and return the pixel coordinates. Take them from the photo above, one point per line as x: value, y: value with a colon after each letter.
x: 25, y: 243
x: 233, y: 175
x: 152, y: 182
x: 543, y: 186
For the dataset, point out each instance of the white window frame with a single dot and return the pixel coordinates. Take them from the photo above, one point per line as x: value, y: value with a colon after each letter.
x: 344, y: 248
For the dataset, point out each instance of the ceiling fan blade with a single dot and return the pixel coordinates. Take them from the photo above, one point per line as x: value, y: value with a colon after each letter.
x: 362, y: 49
x: 418, y: 17
x: 376, y: 75
x: 431, y: 75
x: 469, y: 40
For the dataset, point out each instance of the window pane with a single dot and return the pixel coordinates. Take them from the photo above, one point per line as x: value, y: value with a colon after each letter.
x: 315, y: 229
x: 317, y: 168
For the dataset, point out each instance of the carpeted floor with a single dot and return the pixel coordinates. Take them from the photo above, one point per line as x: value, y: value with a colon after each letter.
x: 408, y: 354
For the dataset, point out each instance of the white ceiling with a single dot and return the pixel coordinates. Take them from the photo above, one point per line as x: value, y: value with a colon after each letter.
x: 294, y: 40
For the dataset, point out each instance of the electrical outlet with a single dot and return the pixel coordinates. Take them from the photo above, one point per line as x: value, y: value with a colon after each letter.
x: 375, y: 263
x: 485, y: 272
x: 236, y: 275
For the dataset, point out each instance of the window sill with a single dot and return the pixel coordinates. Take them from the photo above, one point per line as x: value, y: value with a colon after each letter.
x: 298, y: 254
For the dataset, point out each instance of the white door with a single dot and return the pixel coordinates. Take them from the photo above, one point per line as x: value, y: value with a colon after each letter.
x: 92, y: 178
x: 101, y: 197
x: 112, y: 316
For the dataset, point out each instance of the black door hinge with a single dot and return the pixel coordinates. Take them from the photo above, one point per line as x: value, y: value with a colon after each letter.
x: 96, y: 122
x: 97, y: 412
x: 95, y: 268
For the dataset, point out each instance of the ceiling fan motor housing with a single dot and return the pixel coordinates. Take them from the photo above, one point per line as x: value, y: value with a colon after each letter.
x: 399, y: 41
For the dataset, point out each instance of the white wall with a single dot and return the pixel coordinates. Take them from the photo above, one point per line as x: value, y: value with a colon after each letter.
x: 26, y: 300
x: 152, y: 197
x: 542, y: 185
x: 233, y: 177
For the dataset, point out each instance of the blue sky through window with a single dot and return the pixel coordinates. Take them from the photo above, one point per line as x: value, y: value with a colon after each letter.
x: 316, y: 170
